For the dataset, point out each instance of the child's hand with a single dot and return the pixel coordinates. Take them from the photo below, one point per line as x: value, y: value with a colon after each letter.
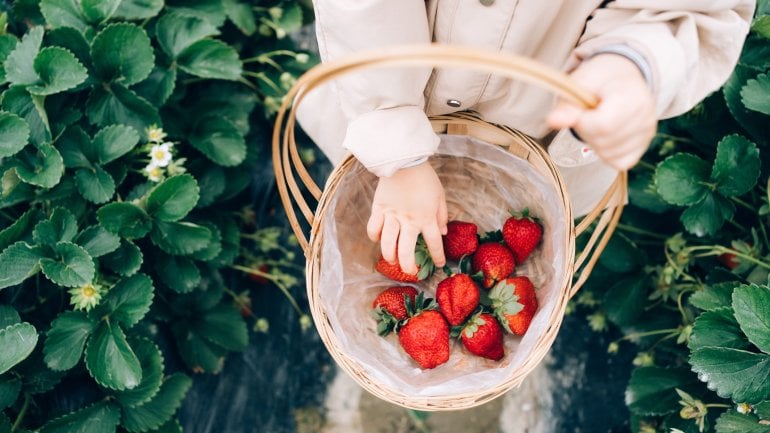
x: 621, y: 127
x: 406, y: 204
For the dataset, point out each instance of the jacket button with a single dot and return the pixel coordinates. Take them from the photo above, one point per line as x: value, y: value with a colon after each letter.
x: 454, y: 103
x: 487, y: 2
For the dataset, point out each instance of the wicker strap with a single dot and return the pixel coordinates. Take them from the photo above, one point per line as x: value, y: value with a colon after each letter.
x: 286, y: 158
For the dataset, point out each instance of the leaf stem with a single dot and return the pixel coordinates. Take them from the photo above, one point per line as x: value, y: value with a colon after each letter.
x: 636, y: 230
x: 715, y: 250
x: 645, y: 164
x: 22, y: 412
x: 744, y: 204
x: 274, y: 280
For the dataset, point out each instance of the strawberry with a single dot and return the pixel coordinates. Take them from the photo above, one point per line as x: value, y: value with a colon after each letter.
x: 425, y: 337
x: 457, y: 297
x: 390, y: 307
x: 522, y: 233
x: 514, y: 303
x: 460, y: 240
x: 728, y: 260
x: 264, y: 269
x: 495, y: 261
x: 483, y: 336
x: 425, y: 266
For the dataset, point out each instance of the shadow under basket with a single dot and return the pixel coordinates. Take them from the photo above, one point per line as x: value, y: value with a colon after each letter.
x: 487, y: 171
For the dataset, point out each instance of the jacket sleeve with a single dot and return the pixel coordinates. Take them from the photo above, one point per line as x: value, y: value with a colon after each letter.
x: 387, y: 125
x: 691, y: 46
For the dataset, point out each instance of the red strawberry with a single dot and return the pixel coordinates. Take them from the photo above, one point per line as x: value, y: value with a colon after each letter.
x: 483, y: 336
x: 522, y: 233
x: 514, y: 303
x: 728, y: 260
x: 263, y: 268
x: 460, y: 240
x: 495, y: 261
x: 425, y: 337
x: 458, y: 297
x: 390, y: 307
x: 425, y: 266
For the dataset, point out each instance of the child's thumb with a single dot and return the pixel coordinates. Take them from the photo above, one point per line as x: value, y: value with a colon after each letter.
x: 564, y: 115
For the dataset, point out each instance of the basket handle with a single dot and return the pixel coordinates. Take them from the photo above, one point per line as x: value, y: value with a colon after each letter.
x: 286, y: 158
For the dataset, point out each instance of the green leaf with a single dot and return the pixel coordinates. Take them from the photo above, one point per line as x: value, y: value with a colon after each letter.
x: 708, y: 215
x: 139, y: 9
x: 212, y: 182
x: 752, y: 310
x: 10, y: 387
x: 219, y: 140
x: 17, y: 342
x: 8, y: 316
x: 717, y: 328
x: 763, y: 410
x: 714, y: 296
x: 734, y: 422
x: 173, y: 198
x: 63, y: 13
x: 242, y: 15
x: 291, y: 18
x: 210, y: 10
x: 60, y: 227
x: 124, y: 219
x: 66, y: 339
x: 754, y: 122
x: 214, y: 246
x: 72, y: 267
x: 7, y: 44
x: 122, y: 52
x: 172, y: 426
x: 43, y: 168
x: 736, y: 168
x: 95, y: 184
x: 19, y: 65
x: 14, y: 134
x: 71, y: 39
x: 197, y: 352
x: 177, y: 30
x: 72, y: 144
x: 178, y: 273
x: 160, y: 408
x: 128, y: 301
x: 621, y: 255
x: 651, y: 390
x: 58, y: 70
x: 756, y: 92
x: 151, y: 361
x: 225, y: 99
x: 223, y: 326
x: 110, y: 360
x: 733, y: 373
x: 20, y: 261
x: 681, y: 179
x: 158, y: 86
x: 124, y: 261
x: 211, y: 58
x: 114, y: 141
x: 98, y: 11
x: 18, y: 101
x: 180, y: 238
x: 5, y: 424
x: 19, y: 229
x: 97, y: 241
x: 624, y: 302
x: 98, y: 418
x: 119, y: 105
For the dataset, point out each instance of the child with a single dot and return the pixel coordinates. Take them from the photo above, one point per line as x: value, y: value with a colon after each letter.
x: 645, y: 60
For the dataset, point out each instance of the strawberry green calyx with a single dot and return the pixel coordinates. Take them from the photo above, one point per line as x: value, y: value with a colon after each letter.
x: 473, y: 324
x: 423, y: 260
x: 524, y: 214
x: 505, y: 301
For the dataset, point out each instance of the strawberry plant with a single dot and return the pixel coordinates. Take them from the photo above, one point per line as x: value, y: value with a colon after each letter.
x: 685, y: 278
x: 129, y: 131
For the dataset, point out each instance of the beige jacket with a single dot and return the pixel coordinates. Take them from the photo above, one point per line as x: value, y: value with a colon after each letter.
x: 688, y: 46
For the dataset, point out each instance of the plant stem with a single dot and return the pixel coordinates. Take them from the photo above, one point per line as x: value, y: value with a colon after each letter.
x: 714, y: 250
x: 22, y: 412
x: 274, y: 280
x: 636, y: 230
x: 743, y: 203
x: 719, y: 405
x: 649, y: 333
x: 645, y: 164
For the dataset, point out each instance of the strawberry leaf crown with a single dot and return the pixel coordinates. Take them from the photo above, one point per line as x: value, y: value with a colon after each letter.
x: 505, y: 301
x: 386, y: 323
x: 473, y: 324
x: 423, y: 259
x: 524, y: 214
x: 492, y: 236
x: 413, y: 308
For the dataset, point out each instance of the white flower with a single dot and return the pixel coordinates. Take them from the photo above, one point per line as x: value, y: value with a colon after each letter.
x: 744, y: 408
x: 86, y: 297
x: 155, y: 134
x: 153, y: 172
x: 161, y: 154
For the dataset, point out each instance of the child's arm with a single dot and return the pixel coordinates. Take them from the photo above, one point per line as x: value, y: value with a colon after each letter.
x: 406, y: 204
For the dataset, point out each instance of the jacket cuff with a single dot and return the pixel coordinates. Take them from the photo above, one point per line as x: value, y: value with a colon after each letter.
x: 387, y: 140
x: 657, y: 46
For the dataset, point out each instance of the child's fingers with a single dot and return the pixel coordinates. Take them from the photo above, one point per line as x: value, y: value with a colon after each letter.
x: 564, y: 115
x: 407, y: 238
x: 374, y: 226
x: 389, y: 237
x: 435, y: 245
x: 443, y: 215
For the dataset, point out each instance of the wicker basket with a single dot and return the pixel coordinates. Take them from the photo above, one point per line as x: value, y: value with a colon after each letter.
x: 289, y: 169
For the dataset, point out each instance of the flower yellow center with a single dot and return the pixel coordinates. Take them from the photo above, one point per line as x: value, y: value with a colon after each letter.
x: 159, y: 154
x: 89, y: 291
